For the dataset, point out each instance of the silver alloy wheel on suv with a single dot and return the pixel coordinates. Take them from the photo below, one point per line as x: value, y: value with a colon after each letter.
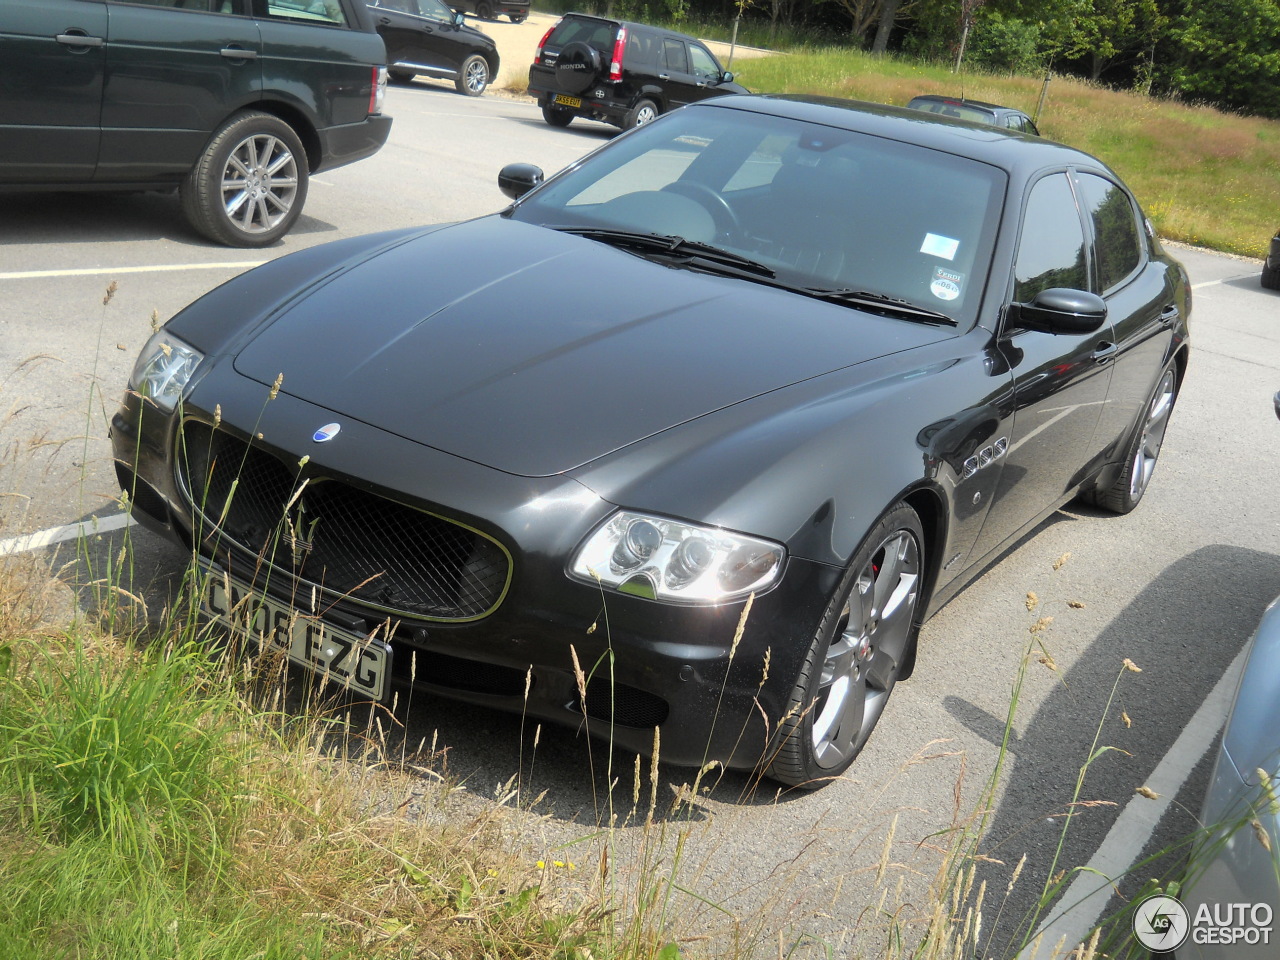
x: 473, y: 78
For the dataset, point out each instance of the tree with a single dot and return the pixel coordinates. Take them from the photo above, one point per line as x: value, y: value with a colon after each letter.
x: 1226, y: 52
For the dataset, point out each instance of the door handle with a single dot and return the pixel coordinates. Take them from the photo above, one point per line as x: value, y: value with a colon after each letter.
x: 663, y: 76
x: 385, y: 21
x: 79, y: 39
x: 1169, y: 314
x: 1105, y: 352
x: 239, y: 53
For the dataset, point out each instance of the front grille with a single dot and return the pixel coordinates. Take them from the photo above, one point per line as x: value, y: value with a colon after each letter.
x: 621, y: 704
x: 345, y: 540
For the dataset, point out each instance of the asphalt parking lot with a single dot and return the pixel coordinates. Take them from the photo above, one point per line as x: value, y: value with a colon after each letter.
x: 1176, y: 587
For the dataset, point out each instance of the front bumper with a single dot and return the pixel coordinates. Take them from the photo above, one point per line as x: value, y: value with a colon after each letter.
x: 643, y: 664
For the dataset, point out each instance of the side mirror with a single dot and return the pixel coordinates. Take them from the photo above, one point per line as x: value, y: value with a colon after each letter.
x: 459, y: 18
x: 1059, y: 310
x: 726, y: 77
x: 517, y: 179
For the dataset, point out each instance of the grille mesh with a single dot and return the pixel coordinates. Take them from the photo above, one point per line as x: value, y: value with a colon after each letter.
x: 346, y: 540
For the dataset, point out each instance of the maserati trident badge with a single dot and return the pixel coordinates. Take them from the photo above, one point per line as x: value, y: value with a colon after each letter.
x: 326, y: 433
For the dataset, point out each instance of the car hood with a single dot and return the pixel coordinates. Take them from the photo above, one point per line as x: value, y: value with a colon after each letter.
x: 535, y: 351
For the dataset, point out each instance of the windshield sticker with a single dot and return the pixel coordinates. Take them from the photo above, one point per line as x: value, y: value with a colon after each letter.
x: 947, y: 284
x: 939, y: 246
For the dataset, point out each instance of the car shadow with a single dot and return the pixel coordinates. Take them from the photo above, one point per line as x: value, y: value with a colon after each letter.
x: 112, y: 217
x: 1183, y: 631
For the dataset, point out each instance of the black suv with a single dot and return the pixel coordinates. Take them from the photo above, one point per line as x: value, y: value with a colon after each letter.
x: 428, y: 37
x: 233, y: 102
x: 517, y: 10
x: 619, y: 72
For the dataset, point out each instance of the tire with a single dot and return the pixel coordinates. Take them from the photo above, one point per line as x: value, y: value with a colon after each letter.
x: 473, y: 76
x: 249, y: 186
x: 400, y: 76
x: 865, y: 640
x: 1127, y: 489
x: 519, y: 17
x: 484, y: 11
x: 557, y: 116
x: 1271, y: 277
x: 577, y: 67
x: 645, y: 111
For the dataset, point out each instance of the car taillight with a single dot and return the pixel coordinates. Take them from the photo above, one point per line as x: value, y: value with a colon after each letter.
x: 619, y: 45
x: 537, y: 56
x: 379, y: 91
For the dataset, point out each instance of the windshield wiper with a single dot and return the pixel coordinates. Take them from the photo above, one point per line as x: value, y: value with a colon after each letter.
x: 879, y: 301
x: 673, y: 245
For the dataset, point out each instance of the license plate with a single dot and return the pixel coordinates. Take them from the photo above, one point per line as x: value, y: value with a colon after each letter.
x: 566, y: 101
x: 345, y: 658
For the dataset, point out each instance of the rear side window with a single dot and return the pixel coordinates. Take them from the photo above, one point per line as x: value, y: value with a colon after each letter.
x: 1051, y: 252
x: 309, y: 11
x: 673, y: 55
x: 1115, y: 230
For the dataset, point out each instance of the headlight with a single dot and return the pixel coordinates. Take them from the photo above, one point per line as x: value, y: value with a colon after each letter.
x: 163, y: 369
x: 675, y: 561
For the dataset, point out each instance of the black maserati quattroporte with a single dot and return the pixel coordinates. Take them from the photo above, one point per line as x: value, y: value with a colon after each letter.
x: 763, y: 382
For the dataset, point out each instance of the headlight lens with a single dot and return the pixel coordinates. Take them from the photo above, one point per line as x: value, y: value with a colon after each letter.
x: 163, y: 369
x: 675, y: 561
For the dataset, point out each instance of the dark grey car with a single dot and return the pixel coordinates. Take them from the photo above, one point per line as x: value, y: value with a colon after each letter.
x: 233, y: 102
x: 1006, y: 118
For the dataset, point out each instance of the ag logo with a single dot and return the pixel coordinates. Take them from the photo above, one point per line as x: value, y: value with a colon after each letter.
x: 1161, y: 923
x: 326, y: 433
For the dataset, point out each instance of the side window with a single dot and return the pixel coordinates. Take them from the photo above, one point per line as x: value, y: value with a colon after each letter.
x: 1115, y: 229
x: 201, y: 6
x: 673, y: 55
x: 704, y: 64
x: 309, y: 11
x: 1051, y: 252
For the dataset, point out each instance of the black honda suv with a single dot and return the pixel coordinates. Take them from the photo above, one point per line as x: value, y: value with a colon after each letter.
x: 619, y: 72
x: 233, y: 102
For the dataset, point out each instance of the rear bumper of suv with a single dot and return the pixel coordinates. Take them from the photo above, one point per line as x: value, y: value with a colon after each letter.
x: 609, y: 109
x: 352, y: 141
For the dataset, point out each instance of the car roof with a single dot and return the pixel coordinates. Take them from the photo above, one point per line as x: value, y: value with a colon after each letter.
x: 1018, y: 153
x: 629, y: 24
x: 980, y: 104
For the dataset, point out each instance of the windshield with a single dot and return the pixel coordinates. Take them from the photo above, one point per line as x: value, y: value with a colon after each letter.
x: 819, y: 206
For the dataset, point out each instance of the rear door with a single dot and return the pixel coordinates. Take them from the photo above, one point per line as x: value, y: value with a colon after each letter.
x: 51, y: 74
x: 419, y: 33
x: 175, y: 70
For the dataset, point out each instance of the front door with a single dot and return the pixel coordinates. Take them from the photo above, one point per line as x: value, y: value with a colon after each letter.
x: 1060, y: 381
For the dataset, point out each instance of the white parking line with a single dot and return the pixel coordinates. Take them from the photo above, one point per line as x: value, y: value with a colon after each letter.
x: 73, y: 531
x: 1081, y: 906
x: 112, y: 271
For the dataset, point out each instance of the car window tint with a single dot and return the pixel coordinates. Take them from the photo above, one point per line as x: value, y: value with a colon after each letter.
x: 704, y: 64
x: 1117, y: 242
x: 1051, y: 252
x: 673, y: 55
x: 201, y: 6
x: 312, y: 11
x: 642, y: 49
x: 820, y: 207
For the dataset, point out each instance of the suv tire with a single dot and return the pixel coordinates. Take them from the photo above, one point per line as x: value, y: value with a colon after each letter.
x: 473, y: 76
x: 400, y: 76
x: 519, y: 17
x: 484, y: 11
x: 557, y: 116
x: 263, y: 153
x: 1271, y: 277
x: 645, y: 111
x: 578, y: 66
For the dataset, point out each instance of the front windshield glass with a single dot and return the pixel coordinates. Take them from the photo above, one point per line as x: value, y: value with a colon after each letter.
x: 823, y: 207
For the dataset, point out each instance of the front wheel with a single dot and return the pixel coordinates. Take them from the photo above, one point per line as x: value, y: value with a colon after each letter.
x: 1128, y: 487
x: 248, y: 187
x: 864, y: 643
x: 645, y: 111
x: 473, y: 77
x: 484, y: 11
x: 1271, y: 277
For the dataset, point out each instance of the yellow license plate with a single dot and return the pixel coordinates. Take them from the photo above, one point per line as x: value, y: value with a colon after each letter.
x: 342, y: 657
x: 565, y: 101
